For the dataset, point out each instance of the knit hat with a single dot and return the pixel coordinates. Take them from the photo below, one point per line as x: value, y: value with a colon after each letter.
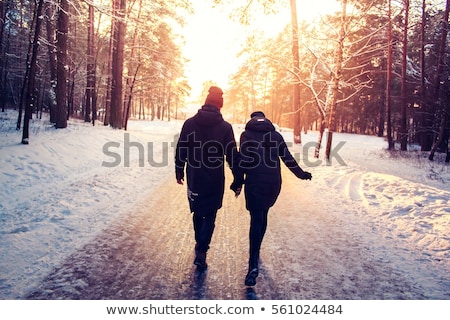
x: 257, y: 114
x: 215, y: 97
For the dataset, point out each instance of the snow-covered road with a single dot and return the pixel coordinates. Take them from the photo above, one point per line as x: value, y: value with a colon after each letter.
x: 376, y: 227
x: 311, y: 251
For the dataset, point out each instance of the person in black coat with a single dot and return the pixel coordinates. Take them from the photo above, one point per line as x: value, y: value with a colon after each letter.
x: 261, y: 148
x: 206, y: 141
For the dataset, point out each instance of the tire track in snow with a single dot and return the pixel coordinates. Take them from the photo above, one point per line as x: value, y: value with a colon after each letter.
x: 349, y: 183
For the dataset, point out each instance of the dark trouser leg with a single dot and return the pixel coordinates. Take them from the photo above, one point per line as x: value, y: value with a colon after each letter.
x: 204, y: 224
x: 258, y: 226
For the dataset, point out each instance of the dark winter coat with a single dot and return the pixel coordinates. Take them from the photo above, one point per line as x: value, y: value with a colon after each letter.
x: 206, y: 141
x: 261, y: 149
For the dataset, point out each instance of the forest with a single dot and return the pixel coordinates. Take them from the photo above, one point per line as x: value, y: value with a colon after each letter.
x: 375, y: 67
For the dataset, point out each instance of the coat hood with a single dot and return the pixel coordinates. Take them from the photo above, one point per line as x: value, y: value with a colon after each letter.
x: 208, y: 116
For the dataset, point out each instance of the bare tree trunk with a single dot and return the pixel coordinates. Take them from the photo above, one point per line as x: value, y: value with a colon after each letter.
x: 296, y: 86
x: 30, y: 97
x: 152, y: 109
x: 90, y: 70
x: 62, y: 65
x: 443, y: 109
x: 117, y: 65
x: 4, y: 8
x: 403, y: 119
x: 169, y: 96
x: 140, y: 108
x: 26, y: 76
x: 51, y: 33
x: 336, y: 77
x: 107, y: 119
x: 3, y: 74
x: 127, y: 115
x: 388, y: 81
x: 71, y: 94
x: 320, y: 136
x: 130, y: 78
x: 426, y: 118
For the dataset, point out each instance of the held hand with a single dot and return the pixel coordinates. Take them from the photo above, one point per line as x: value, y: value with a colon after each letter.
x: 306, y: 176
x: 237, y: 188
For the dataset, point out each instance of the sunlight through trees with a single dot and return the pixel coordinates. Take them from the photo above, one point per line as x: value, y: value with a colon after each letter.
x: 377, y: 67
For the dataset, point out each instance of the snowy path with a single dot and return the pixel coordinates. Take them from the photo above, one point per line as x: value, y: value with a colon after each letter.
x: 375, y: 228
x: 310, y: 252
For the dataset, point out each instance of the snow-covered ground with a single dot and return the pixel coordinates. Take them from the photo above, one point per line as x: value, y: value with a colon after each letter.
x: 68, y: 185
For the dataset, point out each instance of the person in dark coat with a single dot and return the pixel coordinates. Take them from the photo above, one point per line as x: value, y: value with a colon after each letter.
x: 261, y: 148
x: 206, y: 141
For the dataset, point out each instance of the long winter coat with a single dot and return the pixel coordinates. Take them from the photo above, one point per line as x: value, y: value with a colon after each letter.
x: 261, y: 149
x: 206, y: 141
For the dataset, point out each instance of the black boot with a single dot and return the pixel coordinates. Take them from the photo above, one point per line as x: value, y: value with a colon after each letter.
x: 200, y: 259
x: 250, y: 278
x: 253, y: 271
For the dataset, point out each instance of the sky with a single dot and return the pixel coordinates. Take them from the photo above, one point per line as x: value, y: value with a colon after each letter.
x: 48, y: 186
x: 213, y: 39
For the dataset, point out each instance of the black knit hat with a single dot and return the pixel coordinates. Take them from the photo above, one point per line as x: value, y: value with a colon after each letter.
x: 257, y: 114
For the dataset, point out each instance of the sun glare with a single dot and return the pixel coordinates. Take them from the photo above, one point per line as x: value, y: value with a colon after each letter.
x: 213, y: 39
